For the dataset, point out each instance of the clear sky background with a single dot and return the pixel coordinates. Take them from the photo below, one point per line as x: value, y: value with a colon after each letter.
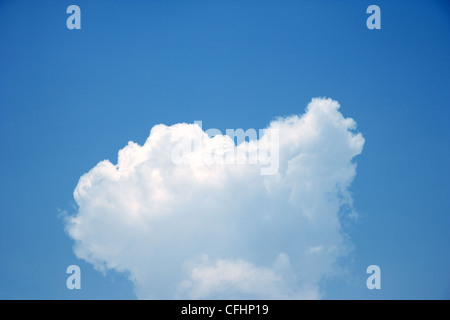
x: 71, y: 98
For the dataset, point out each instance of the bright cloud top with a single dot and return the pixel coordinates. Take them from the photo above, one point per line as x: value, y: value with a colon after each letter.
x: 216, y: 230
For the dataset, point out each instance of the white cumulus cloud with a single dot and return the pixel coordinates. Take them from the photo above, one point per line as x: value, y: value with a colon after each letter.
x: 203, y: 229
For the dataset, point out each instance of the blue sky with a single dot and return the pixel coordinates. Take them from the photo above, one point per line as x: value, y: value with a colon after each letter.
x: 71, y: 98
